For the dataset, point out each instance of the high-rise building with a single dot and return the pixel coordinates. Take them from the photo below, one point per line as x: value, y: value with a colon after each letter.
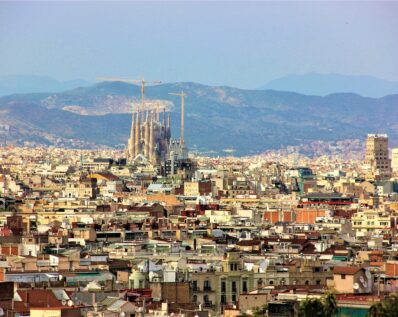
x: 377, y: 158
x: 394, y: 160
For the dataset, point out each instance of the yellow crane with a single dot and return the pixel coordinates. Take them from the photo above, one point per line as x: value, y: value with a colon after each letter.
x: 141, y: 81
x: 182, y: 95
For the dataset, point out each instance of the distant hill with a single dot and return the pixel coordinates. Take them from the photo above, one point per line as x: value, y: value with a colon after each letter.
x: 15, y: 84
x: 325, y: 84
x: 217, y: 118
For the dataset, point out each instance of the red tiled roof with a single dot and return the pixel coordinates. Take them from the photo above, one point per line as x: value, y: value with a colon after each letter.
x: 349, y: 270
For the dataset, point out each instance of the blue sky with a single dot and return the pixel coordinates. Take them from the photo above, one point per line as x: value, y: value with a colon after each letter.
x: 243, y: 44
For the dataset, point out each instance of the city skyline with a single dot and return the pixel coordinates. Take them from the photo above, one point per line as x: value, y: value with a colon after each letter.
x: 158, y: 175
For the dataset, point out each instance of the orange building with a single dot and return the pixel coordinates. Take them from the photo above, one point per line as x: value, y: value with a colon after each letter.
x: 309, y: 215
x: 392, y: 268
x: 9, y: 249
x: 273, y: 216
x: 170, y: 200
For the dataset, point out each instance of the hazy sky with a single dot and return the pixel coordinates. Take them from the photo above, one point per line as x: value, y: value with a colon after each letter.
x: 243, y: 44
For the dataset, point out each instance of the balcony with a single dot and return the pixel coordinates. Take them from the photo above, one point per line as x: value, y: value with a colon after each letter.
x: 197, y: 289
x: 209, y: 305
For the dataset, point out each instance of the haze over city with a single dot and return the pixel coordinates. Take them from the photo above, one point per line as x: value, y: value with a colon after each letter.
x: 241, y: 44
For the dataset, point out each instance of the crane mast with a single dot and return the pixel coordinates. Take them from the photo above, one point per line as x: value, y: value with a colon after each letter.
x: 182, y: 95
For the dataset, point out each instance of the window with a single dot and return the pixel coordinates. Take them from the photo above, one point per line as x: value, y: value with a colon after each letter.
x: 223, y: 299
x: 343, y: 276
x: 244, y: 287
x: 223, y: 286
x: 233, y: 286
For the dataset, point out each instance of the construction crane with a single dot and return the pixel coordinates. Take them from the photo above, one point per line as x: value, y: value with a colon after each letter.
x: 141, y: 81
x: 182, y: 95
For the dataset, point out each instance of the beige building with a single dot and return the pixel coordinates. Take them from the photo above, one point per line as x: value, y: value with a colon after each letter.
x: 376, y: 157
x: 370, y: 221
x: 215, y: 290
x: 352, y: 280
x: 394, y: 160
x: 250, y: 301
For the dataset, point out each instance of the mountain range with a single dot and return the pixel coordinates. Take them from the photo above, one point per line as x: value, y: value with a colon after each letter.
x: 16, y: 84
x: 217, y: 118
x: 325, y: 84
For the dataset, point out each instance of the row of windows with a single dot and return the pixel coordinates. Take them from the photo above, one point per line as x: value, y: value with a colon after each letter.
x: 371, y: 223
x: 234, y: 288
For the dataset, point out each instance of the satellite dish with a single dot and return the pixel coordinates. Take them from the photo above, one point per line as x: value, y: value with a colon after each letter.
x: 356, y: 286
x: 122, y: 314
x: 1, y: 312
x: 70, y: 303
x: 63, y: 302
x: 368, y: 274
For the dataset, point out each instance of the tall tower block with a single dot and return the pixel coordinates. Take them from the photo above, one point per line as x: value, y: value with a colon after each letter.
x: 377, y: 157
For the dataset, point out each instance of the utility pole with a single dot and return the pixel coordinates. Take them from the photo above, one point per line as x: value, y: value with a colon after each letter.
x: 182, y: 95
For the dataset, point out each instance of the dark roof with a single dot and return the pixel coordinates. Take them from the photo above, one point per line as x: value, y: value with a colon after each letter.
x: 248, y: 242
x: 323, y: 195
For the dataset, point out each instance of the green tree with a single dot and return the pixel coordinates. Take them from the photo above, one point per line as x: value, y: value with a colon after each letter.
x: 330, y: 305
x: 311, y: 307
x: 315, y: 307
x: 386, y: 308
x: 376, y: 310
x: 260, y: 311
